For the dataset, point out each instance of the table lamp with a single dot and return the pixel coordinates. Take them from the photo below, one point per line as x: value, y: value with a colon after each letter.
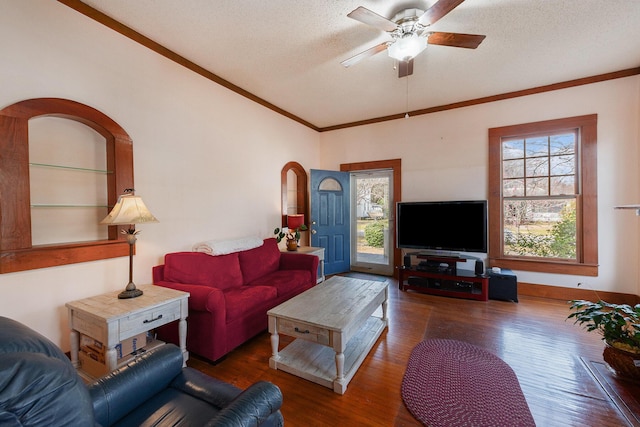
x: 295, y: 221
x: 129, y: 210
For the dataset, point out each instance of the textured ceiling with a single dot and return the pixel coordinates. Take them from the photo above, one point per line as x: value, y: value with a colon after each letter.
x: 288, y: 53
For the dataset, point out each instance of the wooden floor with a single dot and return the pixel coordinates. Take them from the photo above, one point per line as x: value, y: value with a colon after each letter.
x: 548, y: 354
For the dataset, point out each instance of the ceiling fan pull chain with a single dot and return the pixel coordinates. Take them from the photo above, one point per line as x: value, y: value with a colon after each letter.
x: 406, y: 114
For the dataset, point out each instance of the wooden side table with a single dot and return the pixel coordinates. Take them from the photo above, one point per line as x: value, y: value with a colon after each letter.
x: 110, y: 320
x: 310, y: 250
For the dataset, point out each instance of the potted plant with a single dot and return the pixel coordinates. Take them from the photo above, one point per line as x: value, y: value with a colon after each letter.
x: 619, y: 325
x: 292, y: 236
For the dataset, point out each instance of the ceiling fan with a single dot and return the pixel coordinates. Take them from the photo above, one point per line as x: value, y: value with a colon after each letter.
x: 410, y: 35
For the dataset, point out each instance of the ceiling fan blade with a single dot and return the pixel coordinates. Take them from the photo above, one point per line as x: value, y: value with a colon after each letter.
x: 369, y: 17
x: 367, y: 53
x: 468, y: 41
x: 437, y: 11
x: 405, y: 68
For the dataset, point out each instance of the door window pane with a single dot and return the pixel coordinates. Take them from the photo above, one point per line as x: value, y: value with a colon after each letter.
x: 372, y: 229
x: 330, y: 184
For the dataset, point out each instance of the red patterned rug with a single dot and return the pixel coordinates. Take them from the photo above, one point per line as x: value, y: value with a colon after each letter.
x: 451, y: 383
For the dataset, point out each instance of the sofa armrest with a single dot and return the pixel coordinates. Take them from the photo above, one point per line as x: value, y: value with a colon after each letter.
x: 211, y: 390
x: 124, y: 389
x: 289, y: 261
x: 201, y: 298
x: 157, y: 273
x: 252, y: 407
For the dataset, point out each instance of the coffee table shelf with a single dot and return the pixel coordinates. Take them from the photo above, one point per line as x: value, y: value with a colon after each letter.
x: 317, y: 363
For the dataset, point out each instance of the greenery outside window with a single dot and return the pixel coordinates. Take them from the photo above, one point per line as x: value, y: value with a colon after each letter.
x: 542, y: 179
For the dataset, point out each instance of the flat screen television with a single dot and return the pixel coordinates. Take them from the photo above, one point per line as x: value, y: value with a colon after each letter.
x: 442, y: 226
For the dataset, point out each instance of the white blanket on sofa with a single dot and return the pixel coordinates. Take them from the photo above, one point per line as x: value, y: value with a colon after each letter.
x: 222, y: 247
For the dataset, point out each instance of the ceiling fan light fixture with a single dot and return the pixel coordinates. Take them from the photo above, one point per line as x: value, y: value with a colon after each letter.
x: 407, y: 47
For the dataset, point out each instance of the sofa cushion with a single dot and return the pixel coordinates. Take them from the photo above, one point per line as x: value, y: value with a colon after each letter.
x: 221, y: 271
x: 260, y: 261
x: 287, y: 282
x: 243, y: 300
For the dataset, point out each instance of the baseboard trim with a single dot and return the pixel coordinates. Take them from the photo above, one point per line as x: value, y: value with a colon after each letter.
x: 562, y: 293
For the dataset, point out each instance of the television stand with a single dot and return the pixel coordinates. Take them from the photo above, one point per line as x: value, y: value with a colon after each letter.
x: 439, y: 275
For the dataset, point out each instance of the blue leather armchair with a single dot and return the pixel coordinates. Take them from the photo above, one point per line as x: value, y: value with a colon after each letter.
x: 40, y: 387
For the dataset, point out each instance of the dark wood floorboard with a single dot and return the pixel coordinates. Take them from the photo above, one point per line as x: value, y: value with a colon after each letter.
x: 546, y: 351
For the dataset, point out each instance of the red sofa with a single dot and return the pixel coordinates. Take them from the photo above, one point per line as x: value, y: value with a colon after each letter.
x: 231, y: 294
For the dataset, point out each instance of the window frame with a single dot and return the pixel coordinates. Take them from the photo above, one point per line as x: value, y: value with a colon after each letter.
x: 17, y: 253
x: 586, y: 200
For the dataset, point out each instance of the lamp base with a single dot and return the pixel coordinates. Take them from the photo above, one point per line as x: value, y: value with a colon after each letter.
x: 130, y: 291
x: 130, y: 294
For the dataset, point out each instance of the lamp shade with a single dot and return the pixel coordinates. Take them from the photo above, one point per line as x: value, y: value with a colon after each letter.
x: 129, y: 209
x: 295, y: 221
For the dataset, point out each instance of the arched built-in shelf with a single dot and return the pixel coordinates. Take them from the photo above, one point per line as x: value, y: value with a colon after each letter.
x: 17, y: 253
x: 300, y: 192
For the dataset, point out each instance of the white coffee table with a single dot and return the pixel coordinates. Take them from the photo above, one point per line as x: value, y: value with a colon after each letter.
x: 334, y: 326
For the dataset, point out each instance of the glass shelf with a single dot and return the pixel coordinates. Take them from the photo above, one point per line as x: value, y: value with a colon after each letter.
x: 635, y: 207
x: 67, y: 206
x: 44, y: 165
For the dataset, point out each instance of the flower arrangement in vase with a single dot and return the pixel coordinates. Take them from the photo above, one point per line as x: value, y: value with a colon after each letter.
x: 295, y: 224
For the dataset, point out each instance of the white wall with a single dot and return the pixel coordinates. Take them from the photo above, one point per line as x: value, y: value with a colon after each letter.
x: 207, y: 162
x: 444, y: 157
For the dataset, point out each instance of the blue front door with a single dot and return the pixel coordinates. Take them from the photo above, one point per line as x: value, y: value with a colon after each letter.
x: 330, y: 218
